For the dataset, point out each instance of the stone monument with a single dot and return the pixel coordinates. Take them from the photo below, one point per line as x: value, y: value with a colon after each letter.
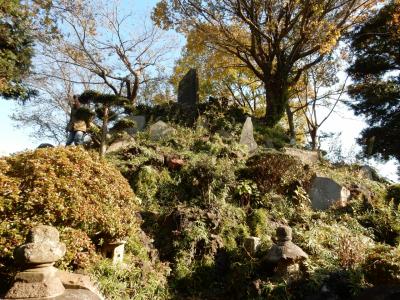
x: 252, y: 244
x: 247, y: 136
x: 188, y: 90
x: 140, y: 124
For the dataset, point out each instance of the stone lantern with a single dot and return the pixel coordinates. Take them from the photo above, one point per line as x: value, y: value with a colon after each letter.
x: 39, y: 253
x: 39, y: 278
x: 114, y: 250
x: 284, y: 257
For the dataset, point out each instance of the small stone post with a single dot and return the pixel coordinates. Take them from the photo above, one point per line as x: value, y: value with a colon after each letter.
x: 251, y: 244
x: 39, y: 253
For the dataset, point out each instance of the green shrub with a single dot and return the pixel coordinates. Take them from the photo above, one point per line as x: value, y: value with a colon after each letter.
x: 83, y: 196
x: 149, y: 183
x: 382, y: 265
x: 275, y: 136
x: 133, y: 280
x: 279, y: 172
x: 206, y: 178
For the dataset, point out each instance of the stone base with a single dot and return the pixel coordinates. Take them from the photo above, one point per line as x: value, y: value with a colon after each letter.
x: 36, y: 283
x: 72, y: 281
x: 79, y: 294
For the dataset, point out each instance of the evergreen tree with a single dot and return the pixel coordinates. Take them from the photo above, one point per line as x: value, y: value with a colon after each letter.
x: 15, y: 48
x: 376, y: 73
x: 111, y: 112
x: 21, y: 24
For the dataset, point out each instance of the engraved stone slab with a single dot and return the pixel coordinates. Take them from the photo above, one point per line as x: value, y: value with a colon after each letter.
x: 247, y: 136
x: 188, y: 90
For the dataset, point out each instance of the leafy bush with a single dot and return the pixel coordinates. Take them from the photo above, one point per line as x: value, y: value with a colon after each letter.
x: 279, y: 172
x: 83, y: 196
x: 382, y: 265
x: 276, y: 136
x: 206, y: 178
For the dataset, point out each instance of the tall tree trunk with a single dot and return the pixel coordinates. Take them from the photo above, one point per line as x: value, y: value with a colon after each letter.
x: 132, y: 88
x: 104, y: 131
x: 313, y: 136
x: 276, y: 93
x: 292, y: 129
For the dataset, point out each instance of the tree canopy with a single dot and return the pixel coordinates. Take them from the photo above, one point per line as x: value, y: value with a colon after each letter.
x: 15, y: 48
x: 376, y: 91
x: 277, y: 40
x: 21, y: 23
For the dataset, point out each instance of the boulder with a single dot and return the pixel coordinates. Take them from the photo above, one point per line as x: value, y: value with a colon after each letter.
x: 120, y: 144
x: 161, y: 130
x: 368, y: 172
x: 325, y: 192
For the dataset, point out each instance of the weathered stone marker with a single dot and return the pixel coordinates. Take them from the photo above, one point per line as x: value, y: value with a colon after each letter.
x: 41, y: 250
x: 188, y: 89
x: 140, y: 124
x: 247, y: 136
x: 40, y: 280
x: 325, y: 192
x: 285, y: 256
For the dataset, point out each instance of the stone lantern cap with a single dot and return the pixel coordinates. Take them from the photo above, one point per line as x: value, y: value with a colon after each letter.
x: 42, y: 246
x: 285, y: 249
x: 116, y: 242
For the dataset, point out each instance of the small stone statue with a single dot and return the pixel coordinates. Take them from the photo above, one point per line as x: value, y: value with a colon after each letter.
x: 39, y: 253
x: 284, y: 257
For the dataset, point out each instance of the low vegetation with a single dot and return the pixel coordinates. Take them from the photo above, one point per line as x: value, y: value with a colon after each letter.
x: 198, y: 195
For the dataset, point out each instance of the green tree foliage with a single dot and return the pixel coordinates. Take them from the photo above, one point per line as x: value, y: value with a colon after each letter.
x: 376, y: 91
x: 220, y: 74
x: 21, y: 24
x: 109, y: 110
x: 15, y: 48
x: 277, y: 40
